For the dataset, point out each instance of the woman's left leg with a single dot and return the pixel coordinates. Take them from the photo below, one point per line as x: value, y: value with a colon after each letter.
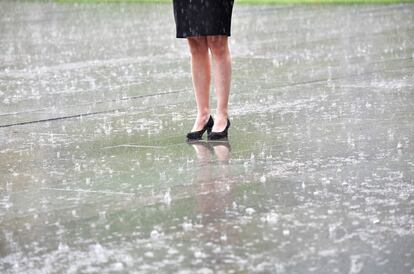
x: 200, y: 70
x: 218, y: 45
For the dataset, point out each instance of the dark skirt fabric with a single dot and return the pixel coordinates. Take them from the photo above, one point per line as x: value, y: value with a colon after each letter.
x: 202, y: 17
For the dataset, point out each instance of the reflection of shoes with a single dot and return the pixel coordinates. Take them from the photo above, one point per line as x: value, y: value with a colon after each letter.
x: 219, y: 135
x: 200, y: 142
x: 203, y: 150
x: 197, y: 135
x: 222, y: 142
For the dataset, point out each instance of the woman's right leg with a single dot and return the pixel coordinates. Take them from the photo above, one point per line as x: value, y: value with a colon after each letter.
x: 220, y: 54
x: 200, y: 70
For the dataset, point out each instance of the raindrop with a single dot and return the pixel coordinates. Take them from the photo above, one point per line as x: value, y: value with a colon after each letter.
x: 167, y: 197
x: 252, y: 158
x: 272, y: 218
x: 155, y: 234
x: 149, y: 254
x: 63, y: 247
x: 187, y: 226
x: 117, y: 267
x: 250, y: 211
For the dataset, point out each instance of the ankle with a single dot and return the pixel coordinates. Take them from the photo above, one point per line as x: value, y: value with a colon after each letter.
x: 222, y: 114
x: 203, y: 115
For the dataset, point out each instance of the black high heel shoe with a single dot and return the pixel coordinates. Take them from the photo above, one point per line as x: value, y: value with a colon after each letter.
x: 197, y: 135
x: 219, y: 135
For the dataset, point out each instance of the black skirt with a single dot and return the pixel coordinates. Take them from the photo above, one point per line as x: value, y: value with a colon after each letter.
x: 202, y: 17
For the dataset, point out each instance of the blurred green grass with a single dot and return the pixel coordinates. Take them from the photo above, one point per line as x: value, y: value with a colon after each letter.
x: 257, y: 1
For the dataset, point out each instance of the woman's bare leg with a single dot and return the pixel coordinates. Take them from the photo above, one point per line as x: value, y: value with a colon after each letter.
x: 200, y: 70
x: 222, y: 78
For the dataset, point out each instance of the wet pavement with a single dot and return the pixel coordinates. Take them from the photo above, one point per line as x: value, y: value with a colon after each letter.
x: 96, y: 176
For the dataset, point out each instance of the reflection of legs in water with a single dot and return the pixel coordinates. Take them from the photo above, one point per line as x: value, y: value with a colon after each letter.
x: 213, y: 190
x: 203, y: 151
x: 222, y: 151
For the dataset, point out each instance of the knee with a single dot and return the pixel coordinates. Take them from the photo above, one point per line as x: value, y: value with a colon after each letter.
x: 198, y: 46
x: 218, y: 45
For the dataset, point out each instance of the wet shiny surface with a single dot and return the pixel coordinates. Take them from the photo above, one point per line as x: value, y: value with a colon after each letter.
x: 95, y: 174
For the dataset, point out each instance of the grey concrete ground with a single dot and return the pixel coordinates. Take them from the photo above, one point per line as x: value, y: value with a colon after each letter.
x: 96, y: 176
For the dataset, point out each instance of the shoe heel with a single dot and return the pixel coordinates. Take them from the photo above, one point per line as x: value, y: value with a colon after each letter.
x: 219, y: 135
x: 197, y: 135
